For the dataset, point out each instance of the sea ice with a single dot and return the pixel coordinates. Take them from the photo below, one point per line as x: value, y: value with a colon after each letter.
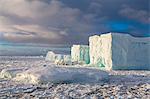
x: 9, y: 73
x: 61, y: 75
x: 120, y: 83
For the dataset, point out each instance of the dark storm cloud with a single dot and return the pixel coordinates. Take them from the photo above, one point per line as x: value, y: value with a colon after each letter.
x: 139, y: 15
x: 70, y: 21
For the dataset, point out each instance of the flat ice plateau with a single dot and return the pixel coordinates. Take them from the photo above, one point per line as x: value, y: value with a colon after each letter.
x: 118, y: 85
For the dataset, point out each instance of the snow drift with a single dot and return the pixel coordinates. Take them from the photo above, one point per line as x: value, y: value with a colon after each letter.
x: 119, y: 51
x: 61, y: 75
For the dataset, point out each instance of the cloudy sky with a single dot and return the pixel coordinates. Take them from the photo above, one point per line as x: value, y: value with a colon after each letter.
x: 70, y: 21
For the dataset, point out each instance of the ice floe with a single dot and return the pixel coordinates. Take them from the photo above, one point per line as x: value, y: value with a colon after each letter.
x: 61, y: 75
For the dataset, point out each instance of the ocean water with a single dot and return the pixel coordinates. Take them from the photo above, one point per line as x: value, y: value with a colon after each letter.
x: 32, y: 49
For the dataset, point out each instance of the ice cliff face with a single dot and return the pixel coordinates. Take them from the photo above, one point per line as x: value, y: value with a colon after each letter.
x: 100, y: 51
x: 130, y: 52
x: 119, y: 51
x: 80, y: 53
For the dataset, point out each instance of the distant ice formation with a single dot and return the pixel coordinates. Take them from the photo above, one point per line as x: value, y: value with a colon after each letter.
x: 119, y: 52
x: 111, y: 51
x: 80, y: 53
x: 67, y: 59
x: 58, y: 59
x: 50, y: 56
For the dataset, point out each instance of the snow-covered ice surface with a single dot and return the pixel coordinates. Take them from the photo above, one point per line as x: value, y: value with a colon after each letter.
x: 121, y: 84
x: 61, y: 75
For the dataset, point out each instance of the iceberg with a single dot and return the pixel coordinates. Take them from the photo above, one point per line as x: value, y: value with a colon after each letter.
x: 116, y: 51
x: 67, y: 59
x: 80, y: 53
x: 50, y: 56
x: 59, y: 59
x: 61, y: 75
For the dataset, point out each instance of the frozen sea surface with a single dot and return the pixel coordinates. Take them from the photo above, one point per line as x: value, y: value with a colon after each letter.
x: 12, y: 49
x: 121, y: 84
